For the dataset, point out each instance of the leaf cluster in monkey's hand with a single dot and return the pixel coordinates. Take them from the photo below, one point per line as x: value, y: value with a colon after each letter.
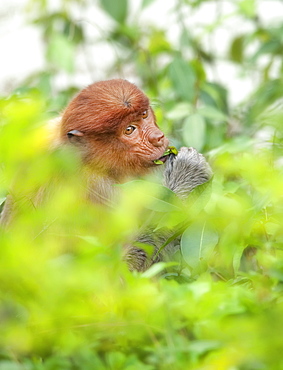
x: 169, y: 150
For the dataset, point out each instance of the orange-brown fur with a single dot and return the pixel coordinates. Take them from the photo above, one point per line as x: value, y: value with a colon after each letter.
x: 101, y: 112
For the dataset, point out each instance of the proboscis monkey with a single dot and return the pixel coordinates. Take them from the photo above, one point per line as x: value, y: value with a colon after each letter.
x: 113, y: 126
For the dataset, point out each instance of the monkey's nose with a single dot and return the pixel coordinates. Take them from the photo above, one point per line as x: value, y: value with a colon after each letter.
x: 156, y: 138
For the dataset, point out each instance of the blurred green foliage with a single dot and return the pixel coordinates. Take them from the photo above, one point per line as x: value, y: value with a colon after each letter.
x: 67, y: 300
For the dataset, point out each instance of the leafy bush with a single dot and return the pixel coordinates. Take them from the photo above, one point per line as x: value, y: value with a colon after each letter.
x: 67, y: 298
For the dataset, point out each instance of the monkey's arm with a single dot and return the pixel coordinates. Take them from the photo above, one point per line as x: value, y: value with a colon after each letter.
x: 183, y: 173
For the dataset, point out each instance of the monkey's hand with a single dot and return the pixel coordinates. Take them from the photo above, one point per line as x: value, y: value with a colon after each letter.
x: 185, y: 171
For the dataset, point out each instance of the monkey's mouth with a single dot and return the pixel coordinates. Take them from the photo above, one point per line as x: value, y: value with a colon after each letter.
x: 161, y: 160
x: 168, y: 151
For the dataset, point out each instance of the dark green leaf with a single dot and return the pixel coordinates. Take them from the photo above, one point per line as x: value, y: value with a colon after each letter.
x: 237, y: 49
x: 197, y: 244
x: 183, y: 79
x: 214, y: 115
x: 270, y: 47
x: 116, y: 9
x: 214, y: 94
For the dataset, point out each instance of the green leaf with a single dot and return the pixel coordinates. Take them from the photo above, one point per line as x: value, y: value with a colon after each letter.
x: 158, y: 43
x: 180, y: 111
x: 215, y: 95
x: 214, y: 115
x: 237, y: 49
x: 194, y: 130
x: 183, y: 79
x: 8, y: 365
x: 197, y: 244
x: 248, y: 8
x: 146, y: 3
x: 61, y: 52
x: 159, y: 205
x: 238, y: 253
x: 116, y: 360
x: 157, y: 161
x: 269, y: 47
x: 90, y: 239
x: 203, y: 346
x: 151, y: 195
x: 170, y: 150
x: 156, y: 268
x: 116, y: 9
x: 199, y: 69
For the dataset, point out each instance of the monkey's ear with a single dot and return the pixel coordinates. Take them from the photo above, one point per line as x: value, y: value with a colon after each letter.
x: 72, y: 133
x: 74, y: 136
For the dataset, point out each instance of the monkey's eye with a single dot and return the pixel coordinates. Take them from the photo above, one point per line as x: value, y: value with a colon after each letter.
x: 129, y: 130
x: 145, y: 114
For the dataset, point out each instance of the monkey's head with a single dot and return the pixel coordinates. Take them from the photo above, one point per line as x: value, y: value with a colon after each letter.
x: 113, y: 125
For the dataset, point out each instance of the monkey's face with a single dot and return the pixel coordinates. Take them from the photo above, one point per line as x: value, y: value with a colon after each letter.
x: 142, y: 141
x: 131, y: 151
x: 113, y: 126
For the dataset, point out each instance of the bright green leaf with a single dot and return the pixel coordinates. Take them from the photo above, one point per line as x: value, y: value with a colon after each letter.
x: 248, y: 8
x: 194, y: 131
x: 155, y: 269
x: 158, y: 43
x: 9, y: 365
x: 61, y: 52
x: 237, y: 257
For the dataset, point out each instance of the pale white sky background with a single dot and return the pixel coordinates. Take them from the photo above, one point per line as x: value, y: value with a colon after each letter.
x: 22, y: 50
